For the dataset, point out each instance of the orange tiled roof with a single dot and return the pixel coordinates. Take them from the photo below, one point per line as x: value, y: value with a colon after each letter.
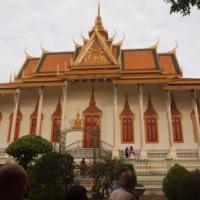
x: 51, y: 62
x: 169, y: 64
x: 140, y: 59
x: 29, y: 67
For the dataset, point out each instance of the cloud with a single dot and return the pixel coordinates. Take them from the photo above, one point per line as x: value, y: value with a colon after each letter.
x: 27, y: 23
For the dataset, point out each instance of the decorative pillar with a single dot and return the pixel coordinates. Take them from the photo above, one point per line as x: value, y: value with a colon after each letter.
x: 39, y: 111
x: 143, y: 152
x: 63, y: 115
x: 172, y: 150
x: 115, y: 153
x: 196, y: 116
x: 14, y: 118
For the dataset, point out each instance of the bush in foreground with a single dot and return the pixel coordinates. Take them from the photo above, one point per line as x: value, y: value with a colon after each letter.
x: 27, y: 148
x: 50, y: 176
x: 172, y: 182
x: 104, y: 173
x: 190, y: 186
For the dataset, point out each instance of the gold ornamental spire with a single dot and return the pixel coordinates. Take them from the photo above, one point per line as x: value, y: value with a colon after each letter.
x: 98, y: 22
x: 99, y: 9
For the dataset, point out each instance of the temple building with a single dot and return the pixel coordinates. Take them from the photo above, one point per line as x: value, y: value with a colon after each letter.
x: 127, y: 97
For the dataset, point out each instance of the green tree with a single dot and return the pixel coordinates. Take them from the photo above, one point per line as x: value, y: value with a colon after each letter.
x: 190, y: 186
x: 27, y: 148
x: 50, y: 176
x: 172, y: 182
x: 183, y: 6
x: 104, y: 173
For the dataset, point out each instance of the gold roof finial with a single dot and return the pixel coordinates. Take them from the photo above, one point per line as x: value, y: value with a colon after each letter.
x: 98, y: 22
x: 99, y: 9
x: 173, y: 51
x: 155, y: 46
x: 113, y: 37
x: 76, y: 44
x: 83, y: 37
x: 120, y: 42
x: 42, y: 48
x: 27, y: 54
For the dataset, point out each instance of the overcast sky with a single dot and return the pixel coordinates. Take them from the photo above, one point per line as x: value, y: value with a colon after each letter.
x: 27, y: 23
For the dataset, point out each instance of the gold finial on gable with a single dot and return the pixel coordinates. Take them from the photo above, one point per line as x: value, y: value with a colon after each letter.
x: 155, y: 46
x: 83, y: 37
x: 120, y: 42
x: 173, y: 51
x: 76, y: 44
x: 42, y: 48
x: 27, y: 54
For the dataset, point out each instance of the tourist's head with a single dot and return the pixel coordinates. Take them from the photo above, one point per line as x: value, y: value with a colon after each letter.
x: 130, y: 181
x: 121, y: 175
x: 13, y: 182
x: 76, y: 192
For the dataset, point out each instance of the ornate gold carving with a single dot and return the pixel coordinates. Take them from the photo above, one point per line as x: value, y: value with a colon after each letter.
x: 77, y: 121
x: 95, y: 56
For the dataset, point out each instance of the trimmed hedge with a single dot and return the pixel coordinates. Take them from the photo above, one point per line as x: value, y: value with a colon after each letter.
x: 190, y: 186
x: 172, y: 181
x: 27, y: 148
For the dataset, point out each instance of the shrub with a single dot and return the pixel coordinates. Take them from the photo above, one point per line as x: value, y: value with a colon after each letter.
x: 27, y: 148
x: 172, y: 182
x: 190, y: 186
x: 104, y: 173
x: 51, y: 176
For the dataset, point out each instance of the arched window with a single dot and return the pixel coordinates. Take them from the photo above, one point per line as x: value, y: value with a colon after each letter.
x: 92, y: 123
x: 151, y: 123
x: 176, y: 122
x: 17, y: 125
x: 33, y: 120
x: 56, y: 123
x: 194, y: 123
x: 127, y: 123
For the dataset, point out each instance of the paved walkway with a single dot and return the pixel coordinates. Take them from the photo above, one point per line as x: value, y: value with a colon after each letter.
x: 147, y: 197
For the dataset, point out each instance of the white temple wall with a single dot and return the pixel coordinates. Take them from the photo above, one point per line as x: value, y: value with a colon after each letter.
x: 50, y: 101
x: 158, y: 98
x: 78, y: 98
x: 183, y: 101
x: 27, y: 103
x: 132, y: 91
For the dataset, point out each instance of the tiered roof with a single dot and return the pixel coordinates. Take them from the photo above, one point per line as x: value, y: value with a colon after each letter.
x: 99, y: 57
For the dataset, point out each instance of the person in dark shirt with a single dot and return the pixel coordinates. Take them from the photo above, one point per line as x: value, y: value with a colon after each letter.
x: 126, y: 152
x: 13, y: 182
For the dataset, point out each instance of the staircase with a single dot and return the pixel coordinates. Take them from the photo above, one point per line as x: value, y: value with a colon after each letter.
x: 76, y: 150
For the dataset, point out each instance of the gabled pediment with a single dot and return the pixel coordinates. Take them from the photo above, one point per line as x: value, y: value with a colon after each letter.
x: 95, y: 51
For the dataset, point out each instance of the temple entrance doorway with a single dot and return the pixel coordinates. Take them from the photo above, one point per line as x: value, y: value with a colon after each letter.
x: 92, y: 124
